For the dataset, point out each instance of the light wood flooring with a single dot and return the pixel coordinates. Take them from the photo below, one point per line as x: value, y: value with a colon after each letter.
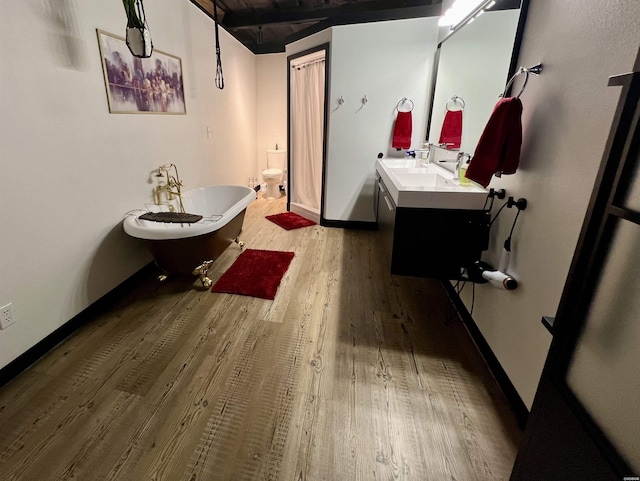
x: 349, y: 374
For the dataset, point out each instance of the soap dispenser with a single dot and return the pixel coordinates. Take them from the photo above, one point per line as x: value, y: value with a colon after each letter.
x: 463, y: 164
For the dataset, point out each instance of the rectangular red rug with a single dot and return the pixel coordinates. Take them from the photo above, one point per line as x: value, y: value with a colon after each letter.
x: 290, y: 220
x: 255, y: 273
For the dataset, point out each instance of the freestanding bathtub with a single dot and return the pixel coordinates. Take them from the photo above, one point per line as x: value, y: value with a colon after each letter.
x: 192, y: 248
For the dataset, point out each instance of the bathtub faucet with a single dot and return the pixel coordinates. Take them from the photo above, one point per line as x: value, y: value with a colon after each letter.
x: 170, y: 188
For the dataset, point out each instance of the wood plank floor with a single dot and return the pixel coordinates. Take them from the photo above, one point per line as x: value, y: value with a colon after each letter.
x: 349, y: 374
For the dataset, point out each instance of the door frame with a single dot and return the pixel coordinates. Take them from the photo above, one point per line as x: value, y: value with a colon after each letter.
x: 325, y: 122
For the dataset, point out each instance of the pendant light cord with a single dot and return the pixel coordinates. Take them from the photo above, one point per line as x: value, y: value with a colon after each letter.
x: 219, y: 74
x: 141, y: 15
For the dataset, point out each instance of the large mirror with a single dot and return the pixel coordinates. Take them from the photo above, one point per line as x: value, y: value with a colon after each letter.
x: 473, y: 67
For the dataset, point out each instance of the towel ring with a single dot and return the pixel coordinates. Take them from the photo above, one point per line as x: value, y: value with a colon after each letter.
x: 403, y: 100
x: 455, y: 99
x: 536, y: 69
x: 521, y: 70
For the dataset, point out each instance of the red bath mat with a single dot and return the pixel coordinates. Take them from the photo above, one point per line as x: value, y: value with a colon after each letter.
x: 255, y: 273
x: 290, y: 220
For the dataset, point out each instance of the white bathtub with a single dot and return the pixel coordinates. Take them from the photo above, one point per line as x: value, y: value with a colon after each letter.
x: 182, y: 248
x: 218, y: 204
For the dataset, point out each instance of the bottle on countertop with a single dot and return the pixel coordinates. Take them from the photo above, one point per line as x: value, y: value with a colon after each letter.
x: 462, y: 170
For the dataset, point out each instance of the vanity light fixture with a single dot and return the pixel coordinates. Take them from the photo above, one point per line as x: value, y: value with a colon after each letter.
x: 463, y: 12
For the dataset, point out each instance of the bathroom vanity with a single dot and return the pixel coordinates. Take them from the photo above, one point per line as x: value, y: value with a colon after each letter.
x: 430, y: 224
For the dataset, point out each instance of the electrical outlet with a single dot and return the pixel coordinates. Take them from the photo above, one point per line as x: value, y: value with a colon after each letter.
x: 6, y: 316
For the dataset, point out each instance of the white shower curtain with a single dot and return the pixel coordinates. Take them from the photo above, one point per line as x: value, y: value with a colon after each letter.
x: 307, y: 133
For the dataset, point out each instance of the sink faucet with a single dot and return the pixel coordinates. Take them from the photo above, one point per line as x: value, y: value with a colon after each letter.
x: 172, y: 187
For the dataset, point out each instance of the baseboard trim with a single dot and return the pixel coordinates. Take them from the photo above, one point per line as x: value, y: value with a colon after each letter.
x: 515, y: 401
x: 305, y: 212
x: 29, y: 357
x: 349, y: 224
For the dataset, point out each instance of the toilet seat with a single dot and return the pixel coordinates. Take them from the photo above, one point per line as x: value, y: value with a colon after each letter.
x: 272, y: 173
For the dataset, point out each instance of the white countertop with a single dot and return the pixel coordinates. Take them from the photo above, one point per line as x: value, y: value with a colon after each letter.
x: 414, y: 184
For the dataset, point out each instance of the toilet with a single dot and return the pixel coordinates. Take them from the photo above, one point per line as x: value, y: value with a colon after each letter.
x: 272, y: 175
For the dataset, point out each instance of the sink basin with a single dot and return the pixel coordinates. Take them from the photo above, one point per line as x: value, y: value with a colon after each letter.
x: 413, y: 184
x: 404, y: 163
x: 420, y: 179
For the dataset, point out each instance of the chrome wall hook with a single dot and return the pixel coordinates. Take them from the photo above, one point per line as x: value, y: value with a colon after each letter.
x: 364, y: 100
x: 340, y: 101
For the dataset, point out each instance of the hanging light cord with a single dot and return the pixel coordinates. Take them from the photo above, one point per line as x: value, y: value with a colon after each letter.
x: 141, y: 15
x: 219, y: 74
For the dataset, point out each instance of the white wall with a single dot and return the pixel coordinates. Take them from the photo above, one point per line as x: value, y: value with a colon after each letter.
x: 271, y: 84
x: 70, y: 170
x: 384, y: 61
x: 566, y: 120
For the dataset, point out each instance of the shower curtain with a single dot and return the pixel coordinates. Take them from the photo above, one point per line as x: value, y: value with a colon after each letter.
x: 307, y: 133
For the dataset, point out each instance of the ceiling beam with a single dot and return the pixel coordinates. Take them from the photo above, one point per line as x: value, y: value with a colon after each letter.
x: 252, y: 18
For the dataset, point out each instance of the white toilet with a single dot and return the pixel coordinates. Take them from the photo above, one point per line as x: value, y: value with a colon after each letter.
x: 272, y: 175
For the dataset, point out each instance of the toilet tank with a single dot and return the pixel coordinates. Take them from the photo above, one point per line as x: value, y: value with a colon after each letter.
x: 277, y: 159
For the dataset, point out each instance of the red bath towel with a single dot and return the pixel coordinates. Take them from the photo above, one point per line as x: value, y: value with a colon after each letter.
x: 451, y: 133
x: 402, y: 131
x: 498, y: 149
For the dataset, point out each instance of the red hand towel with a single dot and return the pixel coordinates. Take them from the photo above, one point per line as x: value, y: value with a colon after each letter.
x: 402, y: 131
x: 451, y: 133
x: 498, y: 149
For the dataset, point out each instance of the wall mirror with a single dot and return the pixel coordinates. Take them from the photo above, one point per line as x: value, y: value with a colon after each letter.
x: 474, y: 64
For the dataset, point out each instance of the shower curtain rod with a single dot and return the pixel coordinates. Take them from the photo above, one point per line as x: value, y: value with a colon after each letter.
x: 310, y: 62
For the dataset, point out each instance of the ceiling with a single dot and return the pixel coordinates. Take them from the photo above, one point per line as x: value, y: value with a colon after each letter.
x: 266, y: 26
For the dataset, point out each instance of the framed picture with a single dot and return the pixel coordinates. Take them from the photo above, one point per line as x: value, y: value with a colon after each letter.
x: 140, y: 85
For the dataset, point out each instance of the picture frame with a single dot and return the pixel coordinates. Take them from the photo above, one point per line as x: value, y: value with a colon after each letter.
x: 135, y: 85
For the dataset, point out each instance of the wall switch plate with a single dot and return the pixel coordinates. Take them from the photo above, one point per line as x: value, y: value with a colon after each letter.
x: 6, y: 316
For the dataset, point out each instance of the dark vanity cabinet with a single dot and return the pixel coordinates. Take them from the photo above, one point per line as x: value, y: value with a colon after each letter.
x: 425, y: 242
x: 386, y: 216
